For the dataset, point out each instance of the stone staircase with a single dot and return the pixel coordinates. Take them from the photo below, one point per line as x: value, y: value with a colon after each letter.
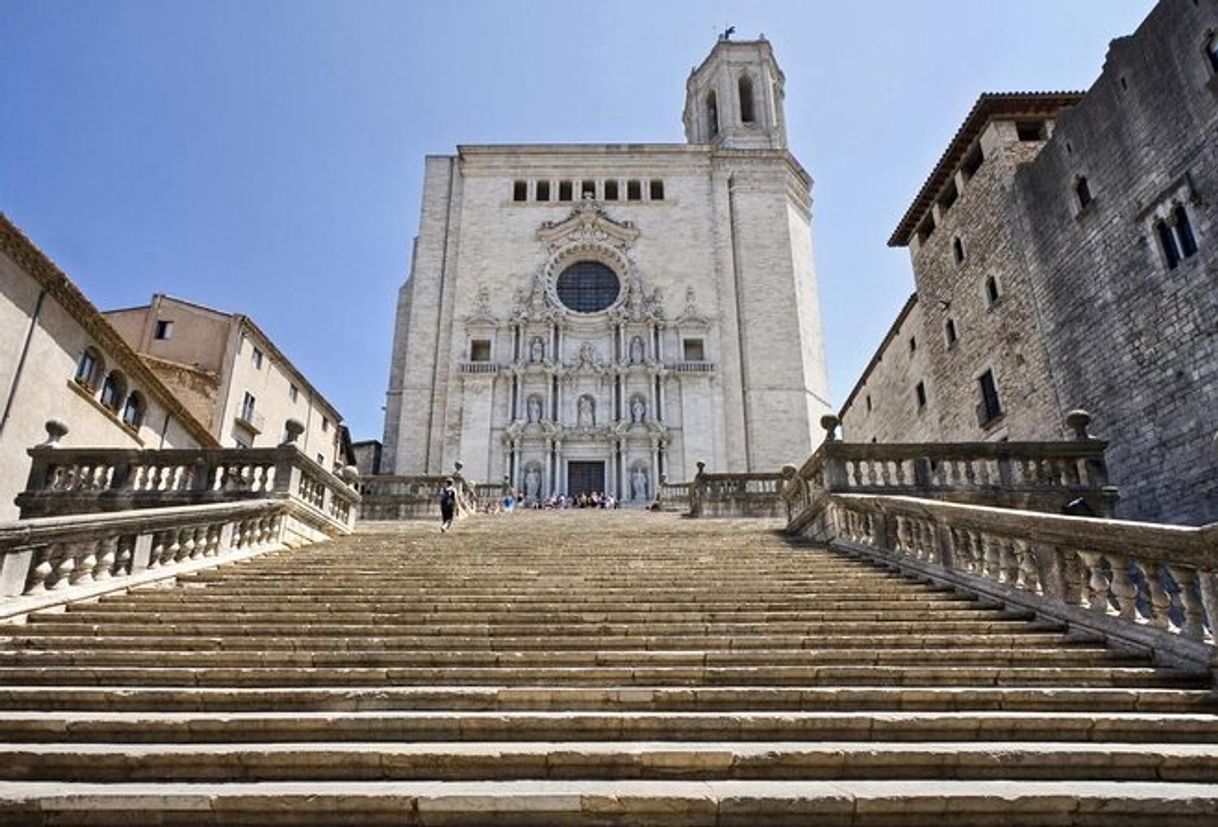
x: 586, y: 668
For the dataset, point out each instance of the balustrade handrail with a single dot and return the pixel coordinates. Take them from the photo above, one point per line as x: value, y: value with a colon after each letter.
x: 1147, y: 584
x: 71, y: 527
x: 734, y: 493
x: 1157, y: 542
x: 1091, y: 449
x: 84, y: 480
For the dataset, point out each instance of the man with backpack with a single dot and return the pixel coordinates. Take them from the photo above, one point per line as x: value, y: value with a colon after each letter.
x: 448, y: 505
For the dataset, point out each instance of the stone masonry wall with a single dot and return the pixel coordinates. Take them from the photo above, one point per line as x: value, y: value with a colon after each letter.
x: 1133, y: 341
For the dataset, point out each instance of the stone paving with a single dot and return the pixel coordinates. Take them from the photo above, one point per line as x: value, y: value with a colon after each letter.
x: 585, y: 668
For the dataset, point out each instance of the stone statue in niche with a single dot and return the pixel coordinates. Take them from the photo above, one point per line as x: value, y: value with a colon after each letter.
x: 638, y: 484
x: 587, y: 355
x: 534, y: 408
x: 532, y: 483
x: 585, y: 412
x: 637, y: 351
x: 537, y: 350
x: 638, y: 409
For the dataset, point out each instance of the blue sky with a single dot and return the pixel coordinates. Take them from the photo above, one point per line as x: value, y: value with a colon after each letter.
x: 266, y: 157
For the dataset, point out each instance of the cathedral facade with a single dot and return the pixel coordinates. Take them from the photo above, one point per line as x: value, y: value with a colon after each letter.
x: 598, y: 317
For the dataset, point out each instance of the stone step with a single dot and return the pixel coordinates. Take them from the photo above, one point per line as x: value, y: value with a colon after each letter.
x: 768, y: 675
x: 152, y: 641
x: 637, y: 659
x: 584, y: 803
x: 697, y: 699
x: 602, y: 760
x: 51, y: 624
x: 844, y: 617
x: 381, y: 725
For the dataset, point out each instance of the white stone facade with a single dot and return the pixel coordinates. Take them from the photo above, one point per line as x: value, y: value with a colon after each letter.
x: 689, y: 330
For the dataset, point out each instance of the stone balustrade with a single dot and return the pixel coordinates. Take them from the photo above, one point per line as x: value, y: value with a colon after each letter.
x: 1040, y: 476
x: 735, y: 495
x: 91, y: 480
x: 47, y: 561
x: 673, y: 496
x: 414, y: 497
x: 1149, y: 585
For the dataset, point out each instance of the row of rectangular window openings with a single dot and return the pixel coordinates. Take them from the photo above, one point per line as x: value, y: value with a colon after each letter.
x: 610, y: 190
x: 693, y: 350
x: 989, y: 409
x: 1038, y: 131
x: 248, y: 403
x: 1176, y: 238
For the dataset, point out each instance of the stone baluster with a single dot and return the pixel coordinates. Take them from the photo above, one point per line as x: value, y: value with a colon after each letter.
x: 1191, y: 606
x: 87, y: 563
x: 1097, y: 582
x: 1123, y: 590
x: 106, y: 559
x: 1159, y: 598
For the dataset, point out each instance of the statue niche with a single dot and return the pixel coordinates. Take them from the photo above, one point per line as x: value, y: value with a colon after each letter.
x: 638, y: 351
x: 638, y: 409
x: 534, y: 408
x: 537, y: 350
x: 532, y: 481
x: 639, y: 483
x: 585, y: 411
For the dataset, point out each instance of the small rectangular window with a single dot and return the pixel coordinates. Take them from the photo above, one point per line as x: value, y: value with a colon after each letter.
x: 949, y: 196
x: 325, y: 424
x: 973, y: 162
x: 564, y: 190
x: 657, y: 189
x: 913, y: 344
x: 991, y: 291
x: 694, y: 350
x: 543, y: 190
x: 321, y: 460
x: 247, y: 407
x: 949, y: 330
x: 926, y: 227
x: 520, y: 191
x: 480, y: 350
x: 868, y: 403
x: 990, y: 408
x: 957, y: 249
x: 256, y: 358
x: 634, y: 191
x: 293, y: 392
x: 920, y: 393
x: 611, y: 190
x: 1082, y: 191
x: 587, y: 189
x: 164, y: 329
x: 1030, y: 130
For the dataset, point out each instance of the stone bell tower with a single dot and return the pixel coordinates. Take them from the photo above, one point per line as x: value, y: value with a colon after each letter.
x: 735, y: 98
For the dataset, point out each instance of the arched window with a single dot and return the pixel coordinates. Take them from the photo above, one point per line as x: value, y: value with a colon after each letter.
x: 113, y: 391
x: 712, y: 114
x: 89, y: 368
x: 746, y: 99
x: 1167, y: 242
x: 991, y: 291
x: 133, y: 410
x: 1184, y: 231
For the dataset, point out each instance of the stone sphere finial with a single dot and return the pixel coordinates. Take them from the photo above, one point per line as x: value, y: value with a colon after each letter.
x: 1077, y: 421
x: 701, y: 467
x: 349, y: 474
x: 457, y: 466
x: 292, y: 429
x: 57, y: 429
x: 830, y: 422
x: 789, y: 471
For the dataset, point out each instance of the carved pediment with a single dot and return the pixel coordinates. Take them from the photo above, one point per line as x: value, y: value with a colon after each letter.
x: 587, y: 223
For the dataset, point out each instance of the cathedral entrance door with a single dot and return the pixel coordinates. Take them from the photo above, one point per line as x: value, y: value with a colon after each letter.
x: 585, y: 477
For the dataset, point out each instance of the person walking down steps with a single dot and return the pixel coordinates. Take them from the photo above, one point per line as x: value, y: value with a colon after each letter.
x: 448, y: 505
